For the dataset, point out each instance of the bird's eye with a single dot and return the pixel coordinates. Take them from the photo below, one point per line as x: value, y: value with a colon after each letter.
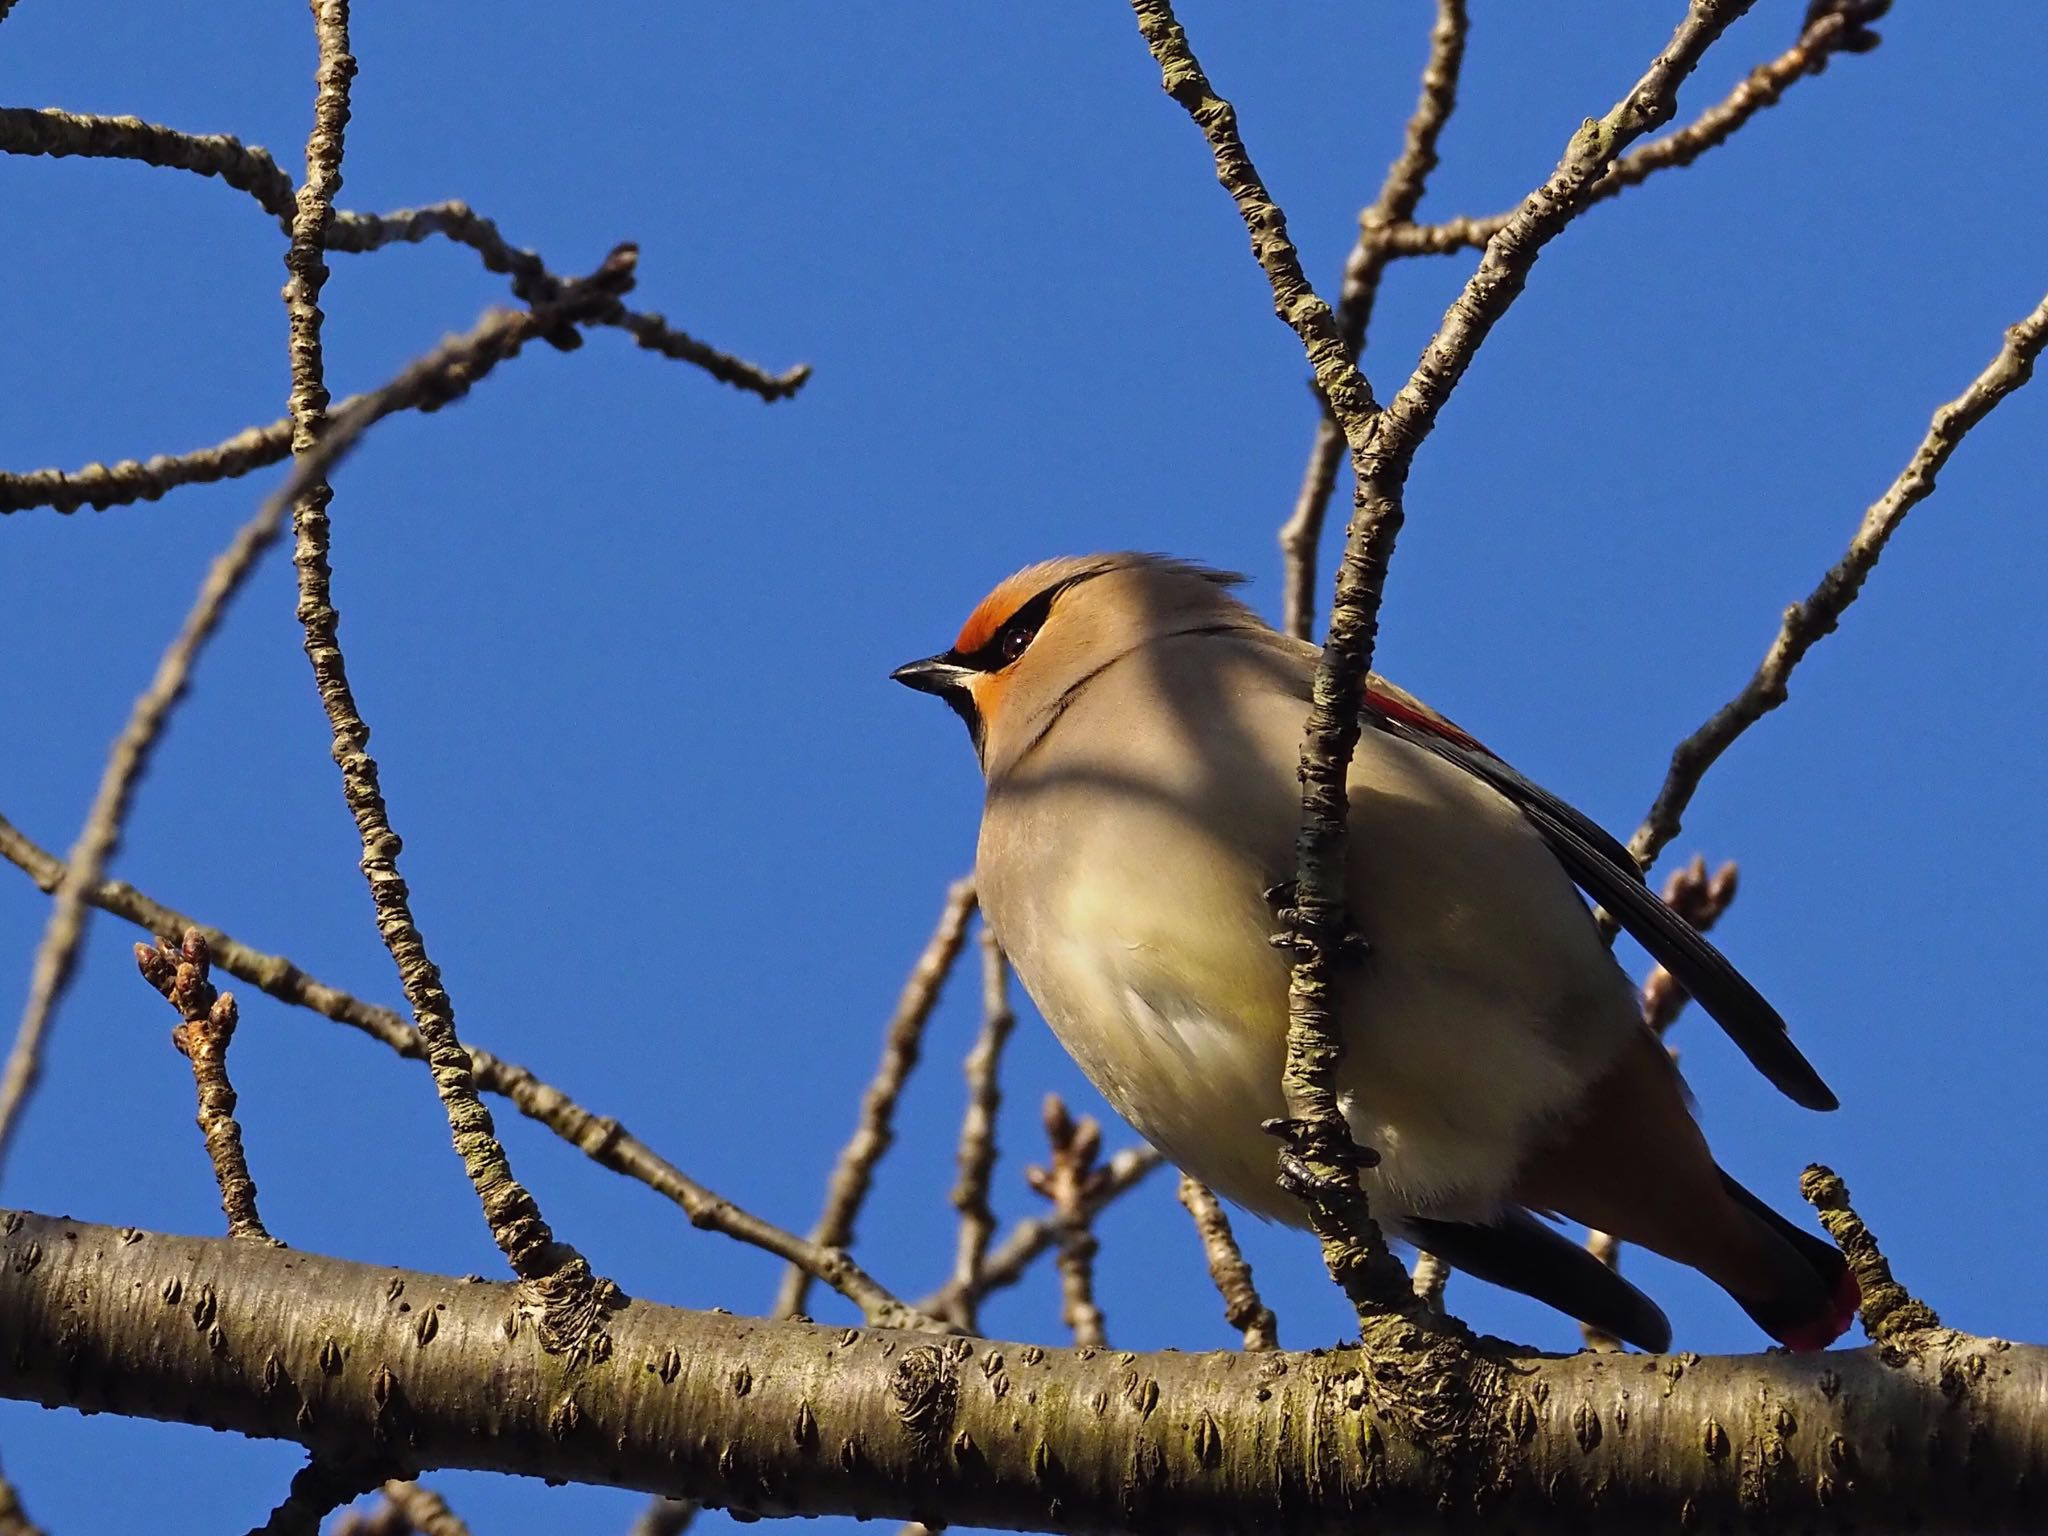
x: 1015, y: 639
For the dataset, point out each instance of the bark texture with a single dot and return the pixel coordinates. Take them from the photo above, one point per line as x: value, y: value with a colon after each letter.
x: 1938, y: 1431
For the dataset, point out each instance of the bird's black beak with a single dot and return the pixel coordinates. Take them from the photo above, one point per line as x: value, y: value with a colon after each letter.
x: 944, y: 677
x: 939, y: 675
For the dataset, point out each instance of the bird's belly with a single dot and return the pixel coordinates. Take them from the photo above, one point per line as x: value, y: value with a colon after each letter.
x: 1447, y: 1083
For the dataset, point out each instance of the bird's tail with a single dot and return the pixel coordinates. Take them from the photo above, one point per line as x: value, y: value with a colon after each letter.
x: 1810, y: 1296
x: 1527, y: 1255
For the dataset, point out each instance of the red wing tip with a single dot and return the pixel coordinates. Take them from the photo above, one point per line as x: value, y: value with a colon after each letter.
x: 1831, y: 1324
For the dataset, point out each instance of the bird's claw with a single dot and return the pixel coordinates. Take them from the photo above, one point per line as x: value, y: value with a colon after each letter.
x: 1347, y: 946
x: 1294, y: 1134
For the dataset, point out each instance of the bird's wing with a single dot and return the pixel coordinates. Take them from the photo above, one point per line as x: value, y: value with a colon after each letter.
x: 1606, y: 871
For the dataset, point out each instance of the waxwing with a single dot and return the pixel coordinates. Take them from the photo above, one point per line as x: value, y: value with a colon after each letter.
x: 1139, y: 729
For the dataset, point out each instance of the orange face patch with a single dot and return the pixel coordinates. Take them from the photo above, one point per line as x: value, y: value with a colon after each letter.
x: 1012, y: 593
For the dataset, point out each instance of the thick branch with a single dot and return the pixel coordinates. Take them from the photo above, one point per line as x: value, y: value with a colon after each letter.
x: 1816, y: 615
x: 777, y: 1418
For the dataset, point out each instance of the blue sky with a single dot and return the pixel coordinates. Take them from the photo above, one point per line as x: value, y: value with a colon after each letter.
x: 623, y: 634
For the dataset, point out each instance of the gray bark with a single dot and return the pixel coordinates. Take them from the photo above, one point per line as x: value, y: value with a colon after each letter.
x: 416, y: 1371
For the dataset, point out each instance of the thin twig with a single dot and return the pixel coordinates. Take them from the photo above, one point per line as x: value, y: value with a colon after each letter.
x: 1833, y: 27
x: 1700, y: 900
x: 252, y: 170
x: 14, y: 1520
x: 514, y: 1217
x: 977, y: 1157
x: 318, y: 1489
x: 1889, y: 1310
x: 1229, y: 1271
x: 598, y: 1137
x: 1035, y: 1236
x: 100, y: 486
x: 1817, y: 614
x: 1428, y: 1279
x: 1394, y: 207
x: 1072, y: 1183
x: 875, y: 1131
x: 665, y: 1517
x: 1320, y: 1161
x: 443, y: 375
x: 425, y: 1509
x: 205, y: 1031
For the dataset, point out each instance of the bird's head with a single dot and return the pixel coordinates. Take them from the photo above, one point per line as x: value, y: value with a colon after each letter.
x: 1043, y: 632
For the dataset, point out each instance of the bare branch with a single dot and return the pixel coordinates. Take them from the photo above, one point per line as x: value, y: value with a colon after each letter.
x: 14, y: 1520
x: 1891, y: 1313
x: 1035, y: 1236
x: 206, y: 1030
x: 598, y: 1137
x: 318, y: 1488
x: 1228, y: 1270
x: 514, y: 1217
x: 977, y: 1158
x: 1394, y: 207
x: 100, y: 486
x: 875, y: 1133
x: 1320, y: 1161
x: 1934, y: 1432
x: 406, y: 1509
x: 1072, y: 1183
x: 665, y: 1517
x: 1700, y: 901
x: 1386, y: 233
x: 252, y: 170
x: 1832, y: 27
x: 1818, y: 613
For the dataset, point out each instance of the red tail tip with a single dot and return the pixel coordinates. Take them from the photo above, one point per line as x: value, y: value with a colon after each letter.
x: 1820, y: 1332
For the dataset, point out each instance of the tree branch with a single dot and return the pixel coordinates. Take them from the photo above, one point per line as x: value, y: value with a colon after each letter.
x: 252, y: 170
x: 977, y: 1156
x: 874, y: 1134
x: 1228, y: 1271
x: 1393, y: 208
x: 1938, y: 1432
x: 1832, y: 27
x: 206, y: 1029
x: 517, y: 1226
x: 1035, y: 1236
x: 1816, y: 615
x: 1321, y: 1162
x: 598, y: 1137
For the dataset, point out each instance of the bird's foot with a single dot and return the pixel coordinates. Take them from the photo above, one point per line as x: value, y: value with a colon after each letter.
x: 1295, y: 1136
x: 1347, y: 945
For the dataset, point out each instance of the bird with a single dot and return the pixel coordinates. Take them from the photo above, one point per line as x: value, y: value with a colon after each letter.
x: 1139, y: 728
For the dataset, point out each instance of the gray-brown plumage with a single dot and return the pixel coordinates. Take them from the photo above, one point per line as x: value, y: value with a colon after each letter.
x: 1140, y: 728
